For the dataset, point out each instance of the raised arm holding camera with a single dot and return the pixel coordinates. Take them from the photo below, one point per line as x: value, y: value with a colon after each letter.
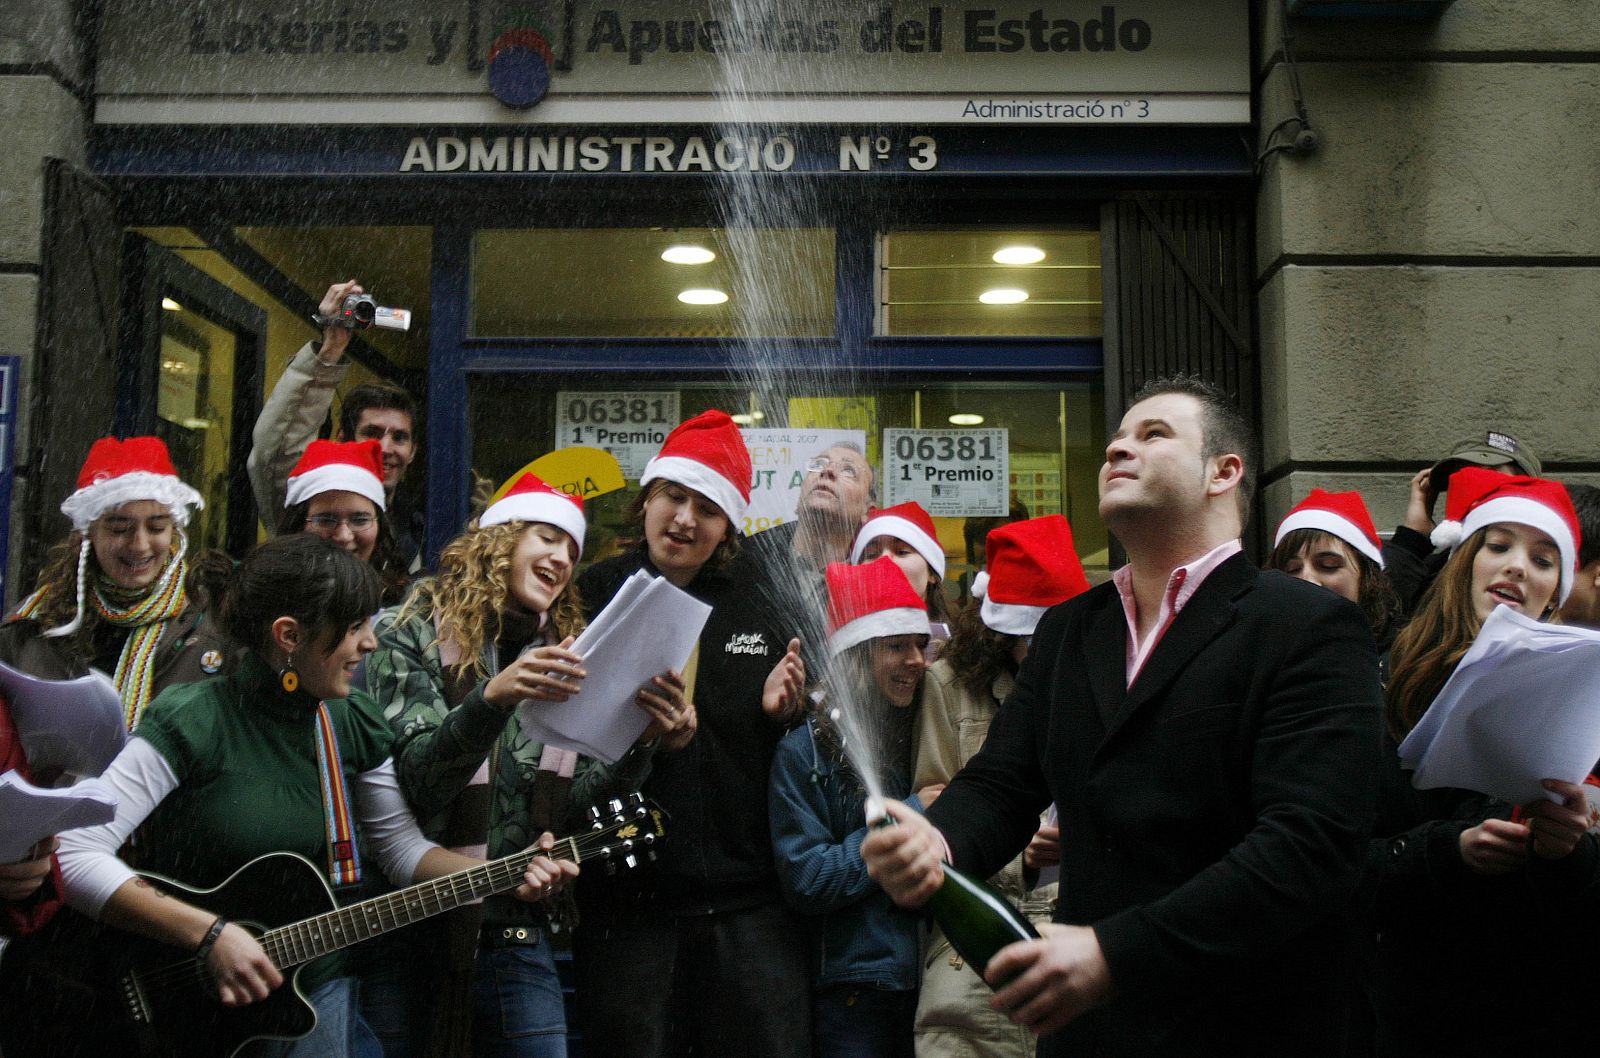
x: 299, y: 403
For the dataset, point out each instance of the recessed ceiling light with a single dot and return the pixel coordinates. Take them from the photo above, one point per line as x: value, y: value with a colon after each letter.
x: 966, y: 418
x: 684, y: 254
x: 702, y: 296
x: 1018, y: 255
x: 748, y: 417
x: 170, y: 305
x: 1003, y: 296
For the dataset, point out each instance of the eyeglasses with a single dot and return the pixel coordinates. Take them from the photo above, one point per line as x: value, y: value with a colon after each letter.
x: 329, y: 523
x: 818, y: 464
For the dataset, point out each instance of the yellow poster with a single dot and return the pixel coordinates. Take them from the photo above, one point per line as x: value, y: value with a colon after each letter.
x: 577, y: 470
x: 838, y: 413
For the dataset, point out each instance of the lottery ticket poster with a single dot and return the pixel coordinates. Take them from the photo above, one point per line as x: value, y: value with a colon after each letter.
x: 630, y: 424
x: 952, y: 473
x: 778, y: 458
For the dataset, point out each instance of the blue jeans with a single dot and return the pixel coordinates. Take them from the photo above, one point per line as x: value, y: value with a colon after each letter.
x: 851, y: 1021
x: 340, y: 1031
x: 517, y: 1004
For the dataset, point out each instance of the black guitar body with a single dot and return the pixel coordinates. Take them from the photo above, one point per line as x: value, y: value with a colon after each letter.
x: 81, y: 990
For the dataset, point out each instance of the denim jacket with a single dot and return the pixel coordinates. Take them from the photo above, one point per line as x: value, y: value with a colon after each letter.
x: 818, y: 819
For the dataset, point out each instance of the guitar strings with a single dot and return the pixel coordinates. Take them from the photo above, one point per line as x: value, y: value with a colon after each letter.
x: 191, y: 971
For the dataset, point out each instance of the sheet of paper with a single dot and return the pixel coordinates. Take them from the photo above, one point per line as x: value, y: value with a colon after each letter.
x: 29, y: 813
x: 1522, y: 706
x: 614, y: 613
x: 73, y: 726
x: 654, y: 630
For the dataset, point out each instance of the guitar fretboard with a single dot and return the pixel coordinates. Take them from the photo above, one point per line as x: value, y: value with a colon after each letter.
x: 312, y: 938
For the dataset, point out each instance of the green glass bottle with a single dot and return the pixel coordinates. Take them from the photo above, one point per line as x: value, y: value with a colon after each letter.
x: 977, y: 921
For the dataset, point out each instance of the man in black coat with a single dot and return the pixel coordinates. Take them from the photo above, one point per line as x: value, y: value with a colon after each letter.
x: 1208, y: 733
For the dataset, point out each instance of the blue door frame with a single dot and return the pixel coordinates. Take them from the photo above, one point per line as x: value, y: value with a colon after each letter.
x: 454, y: 355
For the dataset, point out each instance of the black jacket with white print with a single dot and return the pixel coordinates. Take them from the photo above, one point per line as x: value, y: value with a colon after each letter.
x: 718, y: 849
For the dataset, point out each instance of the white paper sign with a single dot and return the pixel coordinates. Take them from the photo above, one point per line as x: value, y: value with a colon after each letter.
x: 952, y: 473
x: 29, y: 813
x: 630, y: 424
x: 1523, y: 705
x: 778, y: 458
x: 74, y: 725
x: 648, y: 627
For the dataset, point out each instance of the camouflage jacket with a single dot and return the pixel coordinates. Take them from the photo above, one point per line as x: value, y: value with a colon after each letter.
x: 438, y: 749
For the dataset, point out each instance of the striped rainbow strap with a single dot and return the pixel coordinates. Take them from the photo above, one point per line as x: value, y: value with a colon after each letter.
x: 344, y: 859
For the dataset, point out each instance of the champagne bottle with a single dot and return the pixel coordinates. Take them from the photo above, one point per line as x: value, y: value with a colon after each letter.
x: 977, y: 921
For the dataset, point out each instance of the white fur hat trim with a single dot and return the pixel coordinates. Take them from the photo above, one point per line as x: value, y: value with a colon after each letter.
x: 538, y: 507
x: 1011, y: 618
x: 1328, y: 522
x: 333, y: 477
x: 91, y: 501
x: 900, y: 529
x: 900, y: 621
x: 701, y: 478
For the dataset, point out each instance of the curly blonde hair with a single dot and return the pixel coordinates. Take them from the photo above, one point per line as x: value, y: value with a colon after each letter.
x: 472, y: 590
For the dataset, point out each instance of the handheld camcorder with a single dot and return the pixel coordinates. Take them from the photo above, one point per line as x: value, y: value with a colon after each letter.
x: 359, y: 311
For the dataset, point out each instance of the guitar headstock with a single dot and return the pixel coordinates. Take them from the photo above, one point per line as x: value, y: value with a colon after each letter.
x: 622, y: 830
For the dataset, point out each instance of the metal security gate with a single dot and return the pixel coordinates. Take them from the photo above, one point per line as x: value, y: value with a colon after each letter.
x: 1181, y: 299
x: 1183, y: 302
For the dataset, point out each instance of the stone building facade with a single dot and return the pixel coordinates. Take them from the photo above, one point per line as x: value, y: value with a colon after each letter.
x: 1429, y: 269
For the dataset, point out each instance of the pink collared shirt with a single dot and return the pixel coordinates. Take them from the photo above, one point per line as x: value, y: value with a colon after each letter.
x: 1181, y: 586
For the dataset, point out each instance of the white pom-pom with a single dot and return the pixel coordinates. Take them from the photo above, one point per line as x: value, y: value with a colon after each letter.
x: 980, y: 584
x: 1446, y: 535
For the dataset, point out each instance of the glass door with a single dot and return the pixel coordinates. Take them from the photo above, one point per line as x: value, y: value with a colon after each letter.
x: 193, y: 359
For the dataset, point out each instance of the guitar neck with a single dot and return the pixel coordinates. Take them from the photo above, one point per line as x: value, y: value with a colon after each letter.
x: 312, y: 938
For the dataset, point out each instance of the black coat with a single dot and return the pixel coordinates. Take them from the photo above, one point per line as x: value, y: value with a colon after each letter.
x: 1411, y: 563
x: 1453, y: 946
x: 718, y: 851
x: 1214, y: 815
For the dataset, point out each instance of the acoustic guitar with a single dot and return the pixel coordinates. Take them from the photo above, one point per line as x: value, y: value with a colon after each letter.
x: 81, y: 989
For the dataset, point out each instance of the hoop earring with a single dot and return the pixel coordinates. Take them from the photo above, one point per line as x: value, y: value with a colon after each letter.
x: 288, y: 676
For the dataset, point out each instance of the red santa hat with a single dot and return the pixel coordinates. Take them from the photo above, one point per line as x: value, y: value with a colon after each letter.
x: 904, y: 521
x: 530, y: 499
x: 1479, y: 498
x: 118, y: 472
x: 337, y: 466
x: 870, y: 602
x: 1344, y: 514
x: 1031, y: 566
x: 707, y: 454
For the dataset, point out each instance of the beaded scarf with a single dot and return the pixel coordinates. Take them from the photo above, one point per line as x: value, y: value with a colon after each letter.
x: 146, y: 612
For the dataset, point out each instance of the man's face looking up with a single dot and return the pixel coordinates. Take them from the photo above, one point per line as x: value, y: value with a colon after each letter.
x: 836, y: 487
